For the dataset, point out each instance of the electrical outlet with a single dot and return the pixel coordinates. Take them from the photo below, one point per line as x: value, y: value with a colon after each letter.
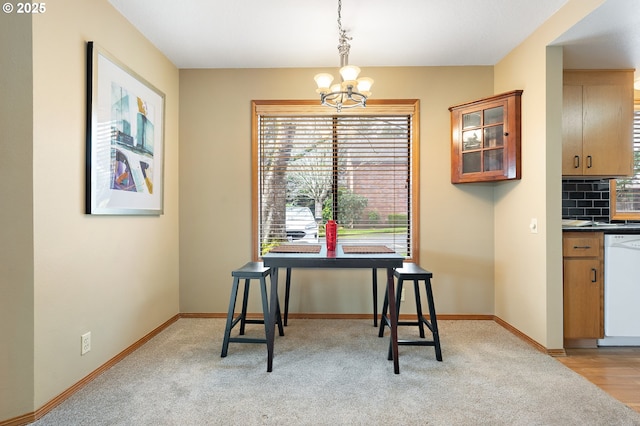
x: 85, y: 342
x: 402, y: 295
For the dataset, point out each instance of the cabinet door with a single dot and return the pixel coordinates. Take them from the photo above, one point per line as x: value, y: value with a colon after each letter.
x: 607, y: 130
x: 583, y: 298
x: 572, y: 131
x: 483, y: 134
x: 597, y: 123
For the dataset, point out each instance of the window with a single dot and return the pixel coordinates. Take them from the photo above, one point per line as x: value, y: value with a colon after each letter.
x: 625, y: 193
x: 357, y: 167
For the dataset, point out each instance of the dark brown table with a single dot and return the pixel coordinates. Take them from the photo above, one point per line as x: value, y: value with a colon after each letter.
x: 335, y: 260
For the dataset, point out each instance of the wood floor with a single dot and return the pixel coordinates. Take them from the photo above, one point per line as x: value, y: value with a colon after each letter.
x: 614, y: 370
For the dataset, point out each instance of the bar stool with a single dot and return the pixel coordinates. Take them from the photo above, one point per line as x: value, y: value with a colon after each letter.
x: 248, y: 272
x: 411, y: 271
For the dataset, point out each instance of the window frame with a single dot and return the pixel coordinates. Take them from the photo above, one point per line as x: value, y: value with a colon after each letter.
x: 312, y: 107
x: 627, y: 215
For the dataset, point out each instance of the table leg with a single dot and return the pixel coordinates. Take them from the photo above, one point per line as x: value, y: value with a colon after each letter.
x: 273, y: 312
x: 393, y: 315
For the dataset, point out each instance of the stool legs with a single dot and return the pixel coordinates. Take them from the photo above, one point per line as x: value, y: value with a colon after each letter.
x: 385, y: 306
x: 432, y: 323
x: 287, y: 289
x: 242, y: 317
x: 245, y: 299
x: 416, y: 290
x: 230, y: 321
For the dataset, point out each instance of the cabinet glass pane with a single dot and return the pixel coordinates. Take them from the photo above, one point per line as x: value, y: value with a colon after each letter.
x: 471, y: 139
x: 493, y: 115
x: 471, y: 119
x: 493, y: 160
x: 471, y: 162
x: 493, y: 136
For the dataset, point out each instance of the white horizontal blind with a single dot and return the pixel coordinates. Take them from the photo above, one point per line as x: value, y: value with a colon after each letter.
x: 628, y: 190
x: 356, y: 169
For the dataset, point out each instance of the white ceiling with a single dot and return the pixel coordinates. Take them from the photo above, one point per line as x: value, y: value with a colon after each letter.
x: 303, y: 33
x: 607, y: 38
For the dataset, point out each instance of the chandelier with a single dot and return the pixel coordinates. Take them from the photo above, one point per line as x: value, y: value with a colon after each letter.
x: 352, y: 91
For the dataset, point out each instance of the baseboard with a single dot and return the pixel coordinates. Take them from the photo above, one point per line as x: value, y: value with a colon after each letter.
x: 529, y: 340
x: 20, y: 420
x: 341, y: 316
x: 31, y: 417
x: 39, y: 413
x: 204, y: 315
x: 581, y: 343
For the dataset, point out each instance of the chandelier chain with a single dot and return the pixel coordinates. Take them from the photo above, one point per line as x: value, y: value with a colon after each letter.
x: 343, y: 46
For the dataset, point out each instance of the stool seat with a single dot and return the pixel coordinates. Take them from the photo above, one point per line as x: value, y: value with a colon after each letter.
x: 413, y: 272
x: 249, y: 271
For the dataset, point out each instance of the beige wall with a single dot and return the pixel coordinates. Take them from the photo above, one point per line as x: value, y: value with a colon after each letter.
x: 114, y: 276
x: 16, y: 219
x: 456, y: 222
x: 528, y: 266
x: 65, y: 273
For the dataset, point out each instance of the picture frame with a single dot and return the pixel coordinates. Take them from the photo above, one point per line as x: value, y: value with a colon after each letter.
x: 125, y: 139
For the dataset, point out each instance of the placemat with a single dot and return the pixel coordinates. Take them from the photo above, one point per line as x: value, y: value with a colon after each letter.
x: 366, y: 249
x: 296, y: 248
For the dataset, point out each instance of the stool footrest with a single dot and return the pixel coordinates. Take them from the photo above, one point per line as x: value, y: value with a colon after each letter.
x: 424, y: 321
x: 246, y: 340
x: 409, y: 323
x: 416, y: 342
x: 254, y: 321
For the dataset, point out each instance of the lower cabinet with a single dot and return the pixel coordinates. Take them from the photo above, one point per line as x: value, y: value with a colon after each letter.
x: 583, y: 274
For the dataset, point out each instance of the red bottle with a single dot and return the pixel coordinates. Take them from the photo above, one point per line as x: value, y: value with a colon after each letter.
x: 331, y: 233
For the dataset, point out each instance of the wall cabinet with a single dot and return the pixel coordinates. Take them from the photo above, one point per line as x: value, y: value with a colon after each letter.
x: 583, y: 288
x: 597, y: 123
x: 485, y: 139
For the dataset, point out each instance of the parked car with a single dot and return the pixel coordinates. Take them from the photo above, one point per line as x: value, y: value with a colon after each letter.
x: 301, y: 225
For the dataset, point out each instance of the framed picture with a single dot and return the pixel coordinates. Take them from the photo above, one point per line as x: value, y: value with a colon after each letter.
x: 125, y: 139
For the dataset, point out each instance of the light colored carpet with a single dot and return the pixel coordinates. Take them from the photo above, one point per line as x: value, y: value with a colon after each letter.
x: 336, y: 372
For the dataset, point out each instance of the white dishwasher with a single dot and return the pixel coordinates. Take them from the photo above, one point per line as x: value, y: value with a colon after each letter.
x: 621, y: 290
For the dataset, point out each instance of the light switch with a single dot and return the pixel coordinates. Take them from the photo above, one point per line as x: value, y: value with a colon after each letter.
x: 534, y: 225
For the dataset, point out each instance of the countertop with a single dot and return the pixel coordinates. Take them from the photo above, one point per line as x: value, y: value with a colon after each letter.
x: 607, y: 228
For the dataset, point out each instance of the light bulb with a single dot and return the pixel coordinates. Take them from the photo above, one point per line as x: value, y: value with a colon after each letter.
x: 349, y: 72
x: 323, y: 80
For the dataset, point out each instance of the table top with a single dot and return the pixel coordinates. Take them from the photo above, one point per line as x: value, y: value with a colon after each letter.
x: 333, y: 259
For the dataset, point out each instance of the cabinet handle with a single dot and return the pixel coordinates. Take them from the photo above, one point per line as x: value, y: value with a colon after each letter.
x: 576, y: 162
x: 506, y: 133
x: 595, y: 275
x: 582, y: 247
x: 588, y: 161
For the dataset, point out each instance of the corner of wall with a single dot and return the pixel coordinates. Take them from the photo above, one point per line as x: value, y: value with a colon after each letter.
x: 16, y: 235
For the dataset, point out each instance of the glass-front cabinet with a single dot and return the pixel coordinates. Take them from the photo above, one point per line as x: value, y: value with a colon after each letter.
x: 485, y: 139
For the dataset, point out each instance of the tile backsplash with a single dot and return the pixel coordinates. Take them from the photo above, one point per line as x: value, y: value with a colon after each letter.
x: 585, y: 199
